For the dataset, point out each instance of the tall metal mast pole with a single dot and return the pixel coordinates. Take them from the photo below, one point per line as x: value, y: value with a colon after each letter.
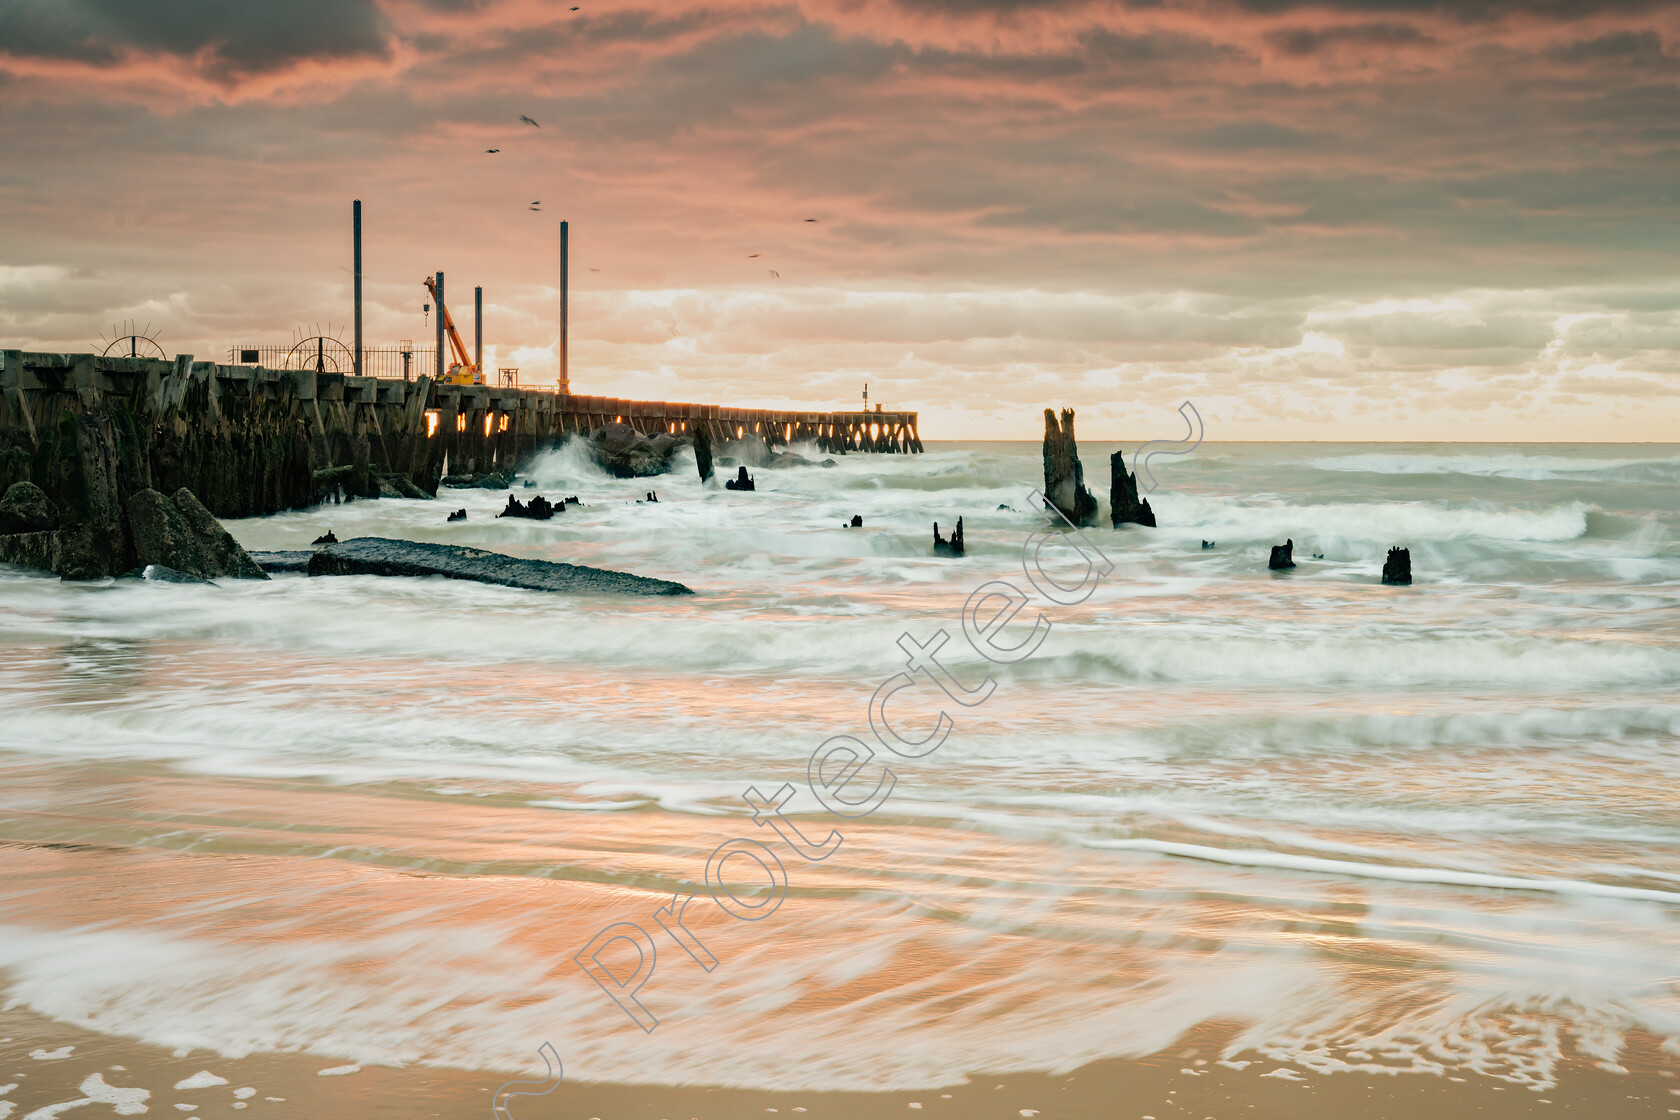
x: 356, y: 224
x: 565, y: 285
x: 440, y: 362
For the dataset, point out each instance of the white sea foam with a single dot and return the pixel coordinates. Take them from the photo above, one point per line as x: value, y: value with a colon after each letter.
x: 1507, y: 464
x: 1437, y: 876
x: 1470, y: 782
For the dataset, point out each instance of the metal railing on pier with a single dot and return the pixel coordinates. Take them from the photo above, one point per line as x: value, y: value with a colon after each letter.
x: 328, y: 355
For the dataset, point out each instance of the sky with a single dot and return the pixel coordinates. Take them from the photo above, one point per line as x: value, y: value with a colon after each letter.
x: 1352, y: 220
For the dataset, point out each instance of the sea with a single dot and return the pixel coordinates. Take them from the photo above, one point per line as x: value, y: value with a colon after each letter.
x: 1415, y: 830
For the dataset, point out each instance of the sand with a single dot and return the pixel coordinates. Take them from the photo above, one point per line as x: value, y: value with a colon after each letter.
x: 1183, y: 1081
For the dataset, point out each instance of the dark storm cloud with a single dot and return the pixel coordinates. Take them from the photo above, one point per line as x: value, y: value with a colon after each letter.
x: 984, y: 7
x: 1239, y: 136
x: 222, y: 38
x: 1464, y: 11
x: 1302, y: 41
x: 1643, y: 49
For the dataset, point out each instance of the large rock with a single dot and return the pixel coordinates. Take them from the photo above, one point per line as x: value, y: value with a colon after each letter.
x: 27, y: 509
x: 32, y: 550
x: 295, y: 560
x: 1064, y: 477
x: 378, y: 556
x: 624, y: 452
x: 178, y: 532
x: 751, y: 451
x: 1283, y: 556
x: 1124, y: 505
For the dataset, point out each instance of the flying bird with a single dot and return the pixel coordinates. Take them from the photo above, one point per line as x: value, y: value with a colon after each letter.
x: 594, y: 270
x: 574, y: 9
x: 810, y: 219
x: 750, y: 256
x: 776, y: 274
x: 529, y: 121
x: 491, y: 151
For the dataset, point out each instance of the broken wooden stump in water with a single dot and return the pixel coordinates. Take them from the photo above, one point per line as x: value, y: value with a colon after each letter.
x: 1124, y: 505
x: 1398, y: 567
x: 538, y: 508
x: 702, y: 452
x: 952, y: 547
x: 1064, y: 477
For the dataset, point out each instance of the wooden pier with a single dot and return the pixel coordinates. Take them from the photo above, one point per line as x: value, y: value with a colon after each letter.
x: 249, y: 440
x: 833, y: 432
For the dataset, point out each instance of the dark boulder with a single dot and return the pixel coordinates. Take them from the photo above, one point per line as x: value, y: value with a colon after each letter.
x: 741, y: 481
x: 401, y: 486
x: 652, y: 496
x: 538, y: 508
x: 623, y: 452
x: 325, y: 538
x: 857, y: 521
x: 702, y: 452
x: 178, y: 532
x: 492, y: 480
x: 1282, y: 556
x: 32, y: 550
x: 952, y: 547
x: 1207, y: 544
x: 1064, y: 476
x: 1398, y: 567
x: 458, y: 515
x: 296, y: 560
x: 27, y: 509
x: 751, y: 450
x: 1124, y: 505
x: 377, y: 556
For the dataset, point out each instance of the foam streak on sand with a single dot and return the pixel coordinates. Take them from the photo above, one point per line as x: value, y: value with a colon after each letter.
x: 1433, y: 875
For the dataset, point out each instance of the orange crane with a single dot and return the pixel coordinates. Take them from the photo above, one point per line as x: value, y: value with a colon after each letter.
x: 462, y: 371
